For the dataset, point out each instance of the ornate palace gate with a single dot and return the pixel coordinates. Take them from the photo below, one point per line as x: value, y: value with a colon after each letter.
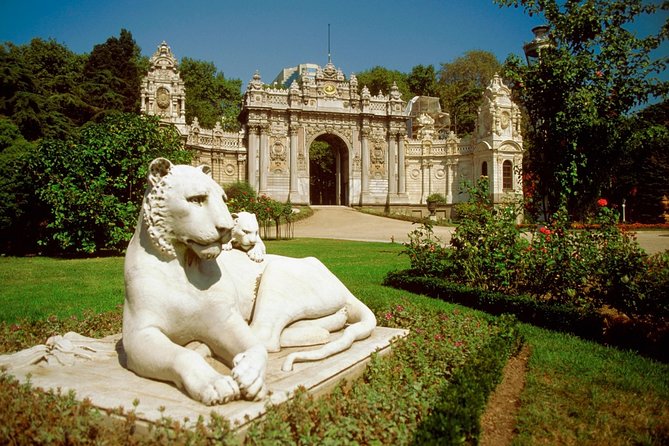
x: 386, y: 152
x: 368, y: 132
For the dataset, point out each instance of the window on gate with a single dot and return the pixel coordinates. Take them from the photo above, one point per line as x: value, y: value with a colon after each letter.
x: 484, y: 169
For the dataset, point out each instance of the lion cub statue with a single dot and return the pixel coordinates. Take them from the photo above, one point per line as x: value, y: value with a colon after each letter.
x: 245, y: 236
x: 181, y: 286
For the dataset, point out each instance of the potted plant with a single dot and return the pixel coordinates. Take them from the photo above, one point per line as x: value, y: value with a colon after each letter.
x: 434, y: 200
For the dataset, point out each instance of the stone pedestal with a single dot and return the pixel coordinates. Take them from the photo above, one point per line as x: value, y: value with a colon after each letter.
x: 103, y: 379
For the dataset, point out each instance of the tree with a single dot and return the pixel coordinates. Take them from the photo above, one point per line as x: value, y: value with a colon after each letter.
x: 422, y: 81
x: 580, y: 95
x: 642, y: 178
x: 40, y: 89
x: 113, y: 74
x: 379, y: 79
x: 209, y: 95
x: 93, y: 183
x: 20, y: 213
x: 462, y: 83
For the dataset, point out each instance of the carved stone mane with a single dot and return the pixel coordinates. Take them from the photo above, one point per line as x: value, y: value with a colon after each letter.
x: 154, y: 211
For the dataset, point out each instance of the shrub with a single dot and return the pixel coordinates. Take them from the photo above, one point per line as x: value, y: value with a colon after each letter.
x: 600, y: 268
x: 487, y: 245
x: 242, y: 197
x: 425, y: 250
x: 240, y: 192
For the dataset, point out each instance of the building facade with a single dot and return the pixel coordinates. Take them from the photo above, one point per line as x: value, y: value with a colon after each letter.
x: 385, y: 155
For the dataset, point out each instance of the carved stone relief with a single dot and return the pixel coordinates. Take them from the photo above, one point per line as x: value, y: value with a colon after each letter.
x: 277, y: 156
x: 378, y: 157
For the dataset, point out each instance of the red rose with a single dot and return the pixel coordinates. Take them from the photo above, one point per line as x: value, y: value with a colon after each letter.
x: 602, y: 202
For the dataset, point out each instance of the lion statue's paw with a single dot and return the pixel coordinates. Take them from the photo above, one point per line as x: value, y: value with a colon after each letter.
x: 249, y: 373
x: 216, y: 389
x: 227, y: 246
x: 257, y: 253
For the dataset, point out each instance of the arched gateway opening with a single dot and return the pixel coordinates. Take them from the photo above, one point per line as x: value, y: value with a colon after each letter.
x: 328, y: 171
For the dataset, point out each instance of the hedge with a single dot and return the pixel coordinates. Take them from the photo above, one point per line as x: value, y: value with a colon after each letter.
x: 588, y: 324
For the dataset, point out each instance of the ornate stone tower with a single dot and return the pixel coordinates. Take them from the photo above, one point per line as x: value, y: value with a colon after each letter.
x: 499, y: 153
x: 163, y: 92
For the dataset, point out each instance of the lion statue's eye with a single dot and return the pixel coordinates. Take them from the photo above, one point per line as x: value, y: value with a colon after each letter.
x: 197, y: 199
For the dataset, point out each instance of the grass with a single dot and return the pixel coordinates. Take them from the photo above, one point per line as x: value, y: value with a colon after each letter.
x: 577, y: 392
x: 582, y: 393
x: 37, y: 287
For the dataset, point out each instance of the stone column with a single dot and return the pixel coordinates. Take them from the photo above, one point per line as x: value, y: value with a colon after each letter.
x: 251, y: 161
x: 338, y: 178
x: 293, y: 159
x: 402, y: 166
x: 240, y: 166
x: 450, y: 171
x: 392, y: 166
x: 263, y: 159
x: 364, y: 158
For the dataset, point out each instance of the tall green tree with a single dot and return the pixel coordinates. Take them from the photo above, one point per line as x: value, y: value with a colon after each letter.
x: 580, y: 94
x: 93, y: 183
x: 209, y: 95
x: 642, y: 177
x: 380, y: 79
x: 462, y: 83
x: 422, y: 81
x: 20, y: 213
x: 113, y: 74
x: 40, y: 89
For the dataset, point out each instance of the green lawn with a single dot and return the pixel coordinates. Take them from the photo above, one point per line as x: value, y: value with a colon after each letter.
x: 577, y: 392
x: 37, y: 287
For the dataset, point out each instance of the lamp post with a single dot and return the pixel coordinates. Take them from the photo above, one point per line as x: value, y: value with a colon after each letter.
x: 624, y: 210
x: 532, y: 49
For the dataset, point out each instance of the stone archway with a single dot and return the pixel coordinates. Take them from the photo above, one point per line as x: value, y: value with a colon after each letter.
x: 328, y: 171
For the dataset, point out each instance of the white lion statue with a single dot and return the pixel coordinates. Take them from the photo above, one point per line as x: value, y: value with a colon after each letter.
x: 244, y: 236
x: 181, y: 287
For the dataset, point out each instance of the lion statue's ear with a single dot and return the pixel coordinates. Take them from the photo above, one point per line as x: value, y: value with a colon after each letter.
x: 234, y: 215
x: 158, y: 168
x: 206, y: 169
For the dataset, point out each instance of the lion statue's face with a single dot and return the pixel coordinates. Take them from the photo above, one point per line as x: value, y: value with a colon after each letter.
x: 245, y: 230
x: 185, y: 206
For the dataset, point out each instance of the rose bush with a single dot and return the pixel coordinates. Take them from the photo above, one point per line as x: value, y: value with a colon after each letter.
x: 602, y: 266
x: 242, y: 197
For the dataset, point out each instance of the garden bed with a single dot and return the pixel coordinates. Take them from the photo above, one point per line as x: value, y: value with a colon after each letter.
x: 432, y: 387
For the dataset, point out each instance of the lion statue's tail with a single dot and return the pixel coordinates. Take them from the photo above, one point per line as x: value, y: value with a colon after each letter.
x: 362, y: 323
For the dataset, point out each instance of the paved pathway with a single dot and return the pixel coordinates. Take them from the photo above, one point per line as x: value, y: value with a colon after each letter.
x: 344, y: 223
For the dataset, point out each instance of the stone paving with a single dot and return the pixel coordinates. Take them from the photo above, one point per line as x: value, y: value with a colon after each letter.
x: 345, y: 223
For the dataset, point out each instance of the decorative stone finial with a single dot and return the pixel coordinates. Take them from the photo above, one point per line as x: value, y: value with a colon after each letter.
x: 256, y: 83
x: 395, y: 92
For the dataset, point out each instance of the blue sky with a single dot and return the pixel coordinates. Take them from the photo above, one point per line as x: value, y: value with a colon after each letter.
x: 240, y: 37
